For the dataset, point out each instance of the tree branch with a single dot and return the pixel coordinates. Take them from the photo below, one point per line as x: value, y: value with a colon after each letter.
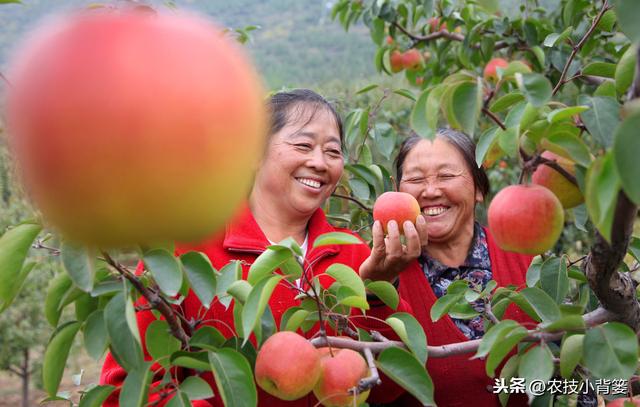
x: 373, y: 379
x: 593, y: 318
x: 493, y: 117
x: 615, y: 290
x: 578, y: 47
x: 352, y: 199
x: 153, y: 298
x: 443, y: 34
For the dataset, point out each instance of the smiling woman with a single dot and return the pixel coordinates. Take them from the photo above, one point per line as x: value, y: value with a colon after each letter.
x: 447, y: 183
x: 298, y: 172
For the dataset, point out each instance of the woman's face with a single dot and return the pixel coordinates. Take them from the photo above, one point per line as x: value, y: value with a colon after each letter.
x: 434, y: 172
x: 303, y: 162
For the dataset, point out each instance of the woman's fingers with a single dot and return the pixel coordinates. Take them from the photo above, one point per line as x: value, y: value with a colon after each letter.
x: 423, y: 233
x: 394, y: 246
x: 413, y: 246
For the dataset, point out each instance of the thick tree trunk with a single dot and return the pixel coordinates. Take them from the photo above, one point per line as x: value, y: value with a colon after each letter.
x: 25, y: 378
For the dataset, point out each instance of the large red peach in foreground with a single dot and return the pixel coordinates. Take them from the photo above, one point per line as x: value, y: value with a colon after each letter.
x: 341, y: 372
x: 525, y: 219
x: 398, y: 206
x: 568, y: 193
x: 287, y: 366
x: 133, y: 127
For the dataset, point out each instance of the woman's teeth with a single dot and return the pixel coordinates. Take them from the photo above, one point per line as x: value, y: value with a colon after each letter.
x: 434, y: 211
x: 309, y: 182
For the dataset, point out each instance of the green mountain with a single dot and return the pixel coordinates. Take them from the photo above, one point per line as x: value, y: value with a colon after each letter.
x: 296, y: 44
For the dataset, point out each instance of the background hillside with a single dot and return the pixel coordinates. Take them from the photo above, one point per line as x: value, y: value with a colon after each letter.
x: 296, y: 44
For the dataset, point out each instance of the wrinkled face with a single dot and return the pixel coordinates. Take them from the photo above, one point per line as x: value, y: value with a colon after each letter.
x: 434, y: 172
x: 303, y: 162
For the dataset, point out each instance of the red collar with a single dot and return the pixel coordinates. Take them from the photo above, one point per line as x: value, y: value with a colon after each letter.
x: 244, y: 234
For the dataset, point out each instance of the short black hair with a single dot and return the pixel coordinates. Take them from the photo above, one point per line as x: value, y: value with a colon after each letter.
x: 282, y: 108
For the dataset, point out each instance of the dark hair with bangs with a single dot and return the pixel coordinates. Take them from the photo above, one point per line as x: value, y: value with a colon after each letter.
x: 287, y: 106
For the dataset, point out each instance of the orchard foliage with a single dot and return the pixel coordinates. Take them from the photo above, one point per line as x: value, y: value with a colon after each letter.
x: 570, y: 87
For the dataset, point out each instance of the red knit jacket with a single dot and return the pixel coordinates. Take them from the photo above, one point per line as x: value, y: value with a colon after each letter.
x: 457, y: 380
x: 244, y: 240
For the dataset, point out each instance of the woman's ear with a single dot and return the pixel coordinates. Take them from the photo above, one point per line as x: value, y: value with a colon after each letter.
x: 479, y: 196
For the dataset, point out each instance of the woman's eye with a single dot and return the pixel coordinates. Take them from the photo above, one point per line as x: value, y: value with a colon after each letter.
x: 303, y: 146
x: 334, y: 153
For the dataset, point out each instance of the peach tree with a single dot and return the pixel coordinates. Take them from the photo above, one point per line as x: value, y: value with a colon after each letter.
x: 561, y: 79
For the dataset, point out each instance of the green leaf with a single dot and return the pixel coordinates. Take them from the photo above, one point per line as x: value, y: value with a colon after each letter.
x: 506, y: 101
x: 10, y: 2
x: 602, y: 118
x: 256, y: 303
x: 95, y: 335
x: 56, y: 291
x: 539, y: 53
x: 55, y: 356
x: 347, y: 277
x: 404, y: 369
x: 179, y: 400
x: 196, y: 388
x: 135, y: 389
x: 418, y: 118
x: 406, y: 93
x: 626, y: 150
x: 96, y: 396
x: 536, y: 364
x: 603, y: 69
x: 542, y: 303
x: 79, y: 263
x: 269, y: 261
x: 385, y: 291
x: 14, y: 247
x: 601, y: 193
x: 495, y: 334
x: 467, y: 103
x: 234, y: 378
x: 634, y: 248
x: 553, y: 278
x: 565, y: 323
x: 570, y: 355
x: 295, y: 320
x: 201, y: 276
x: 508, y: 140
x: 191, y: 360
x: 366, y: 89
x: 536, y: 88
x: 346, y: 296
x: 165, y: 269
x: 533, y: 273
x: 564, y: 144
x: 444, y: 304
x: 229, y: 274
x: 628, y: 15
x: 565, y: 113
x: 411, y: 333
x: 124, y: 346
x: 335, y: 238
x: 484, y: 144
x: 240, y: 290
x: 501, y: 348
x: 554, y: 38
x: 160, y: 343
x: 509, y: 370
x: 610, y: 351
x: 625, y: 70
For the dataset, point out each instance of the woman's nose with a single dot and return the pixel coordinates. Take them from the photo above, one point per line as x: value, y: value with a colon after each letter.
x: 317, y: 160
